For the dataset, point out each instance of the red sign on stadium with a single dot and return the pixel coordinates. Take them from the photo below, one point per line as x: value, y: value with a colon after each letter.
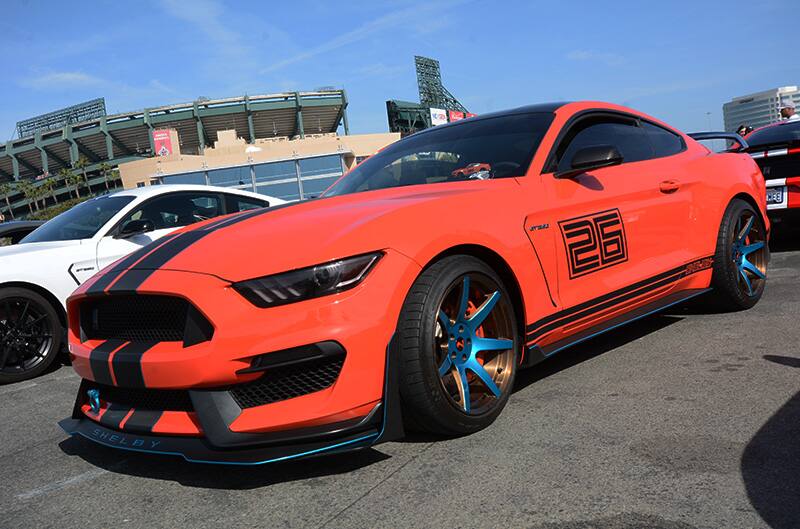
x: 162, y: 142
x: 455, y: 115
x: 470, y: 115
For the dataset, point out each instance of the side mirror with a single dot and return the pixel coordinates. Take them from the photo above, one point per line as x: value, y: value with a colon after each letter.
x: 590, y: 158
x: 135, y: 227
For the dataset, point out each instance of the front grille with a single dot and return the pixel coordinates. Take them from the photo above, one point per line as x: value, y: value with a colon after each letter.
x: 282, y: 383
x: 143, y: 318
x: 144, y: 398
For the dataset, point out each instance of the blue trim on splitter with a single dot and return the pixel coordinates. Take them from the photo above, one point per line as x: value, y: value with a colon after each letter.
x: 240, y: 463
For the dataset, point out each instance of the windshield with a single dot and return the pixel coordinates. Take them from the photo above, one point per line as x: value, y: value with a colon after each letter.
x: 497, y: 147
x: 81, y: 222
x: 782, y: 134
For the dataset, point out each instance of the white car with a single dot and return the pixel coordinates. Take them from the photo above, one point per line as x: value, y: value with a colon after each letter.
x: 38, y: 274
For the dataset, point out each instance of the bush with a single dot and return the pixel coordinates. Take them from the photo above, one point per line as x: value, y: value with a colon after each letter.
x: 58, y: 209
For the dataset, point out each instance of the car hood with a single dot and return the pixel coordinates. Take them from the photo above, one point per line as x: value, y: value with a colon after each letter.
x: 30, y: 248
x: 36, y: 256
x: 309, y: 233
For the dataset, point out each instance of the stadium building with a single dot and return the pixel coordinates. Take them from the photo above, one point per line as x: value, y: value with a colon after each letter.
x: 85, y: 135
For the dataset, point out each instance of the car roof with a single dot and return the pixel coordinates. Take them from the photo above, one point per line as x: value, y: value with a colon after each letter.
x: 527, y: 109
x: 161, y: 189
x: 779, y: 133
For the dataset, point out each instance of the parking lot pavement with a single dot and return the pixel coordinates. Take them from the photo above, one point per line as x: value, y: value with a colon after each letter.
x: 681, y: 420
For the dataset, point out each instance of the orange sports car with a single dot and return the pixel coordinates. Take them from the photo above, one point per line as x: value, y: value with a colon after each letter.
x: 409, y: 295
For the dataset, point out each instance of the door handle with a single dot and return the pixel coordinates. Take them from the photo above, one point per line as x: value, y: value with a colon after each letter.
x: 669, y: 186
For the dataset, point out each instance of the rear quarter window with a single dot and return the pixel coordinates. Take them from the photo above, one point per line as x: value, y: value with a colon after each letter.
x: 665, y: 142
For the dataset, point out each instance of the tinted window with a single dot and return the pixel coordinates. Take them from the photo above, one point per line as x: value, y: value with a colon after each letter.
x: 237, y: 203
x: 81, y: 222
x: 495, y: 147
x: 177, y: 209
x: 625, y: 135
x: 665, y: 143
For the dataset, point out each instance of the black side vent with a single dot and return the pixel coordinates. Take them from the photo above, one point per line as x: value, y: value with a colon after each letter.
x: 291, y: 373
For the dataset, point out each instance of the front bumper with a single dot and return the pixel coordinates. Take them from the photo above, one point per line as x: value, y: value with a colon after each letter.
x: 217, y: 444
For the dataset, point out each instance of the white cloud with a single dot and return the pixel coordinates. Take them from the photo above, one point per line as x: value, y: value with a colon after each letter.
x: 372, y: 27
x: 609, y: 59
x: 61, y: 80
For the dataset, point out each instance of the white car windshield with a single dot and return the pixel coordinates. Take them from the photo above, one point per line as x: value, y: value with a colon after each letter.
x: 81, y: 222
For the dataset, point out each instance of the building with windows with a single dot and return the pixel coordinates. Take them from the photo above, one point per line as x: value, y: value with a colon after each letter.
x: 291, y: 169
x: 758, y: 109
x: 83, y: 139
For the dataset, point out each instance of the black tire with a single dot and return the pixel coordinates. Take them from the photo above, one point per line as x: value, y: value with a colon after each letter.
x: 428, y: 404
x: 30, y: 338
x: 733, y: 288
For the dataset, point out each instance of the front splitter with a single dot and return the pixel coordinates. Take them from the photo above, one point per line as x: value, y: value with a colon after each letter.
x: 197, y: 450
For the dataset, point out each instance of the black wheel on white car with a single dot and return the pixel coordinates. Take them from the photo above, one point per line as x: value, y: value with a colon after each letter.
x: 30, y: 334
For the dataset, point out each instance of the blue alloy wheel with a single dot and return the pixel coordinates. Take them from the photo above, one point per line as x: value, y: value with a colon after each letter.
x: 474, y: 348
x: 749, y: 253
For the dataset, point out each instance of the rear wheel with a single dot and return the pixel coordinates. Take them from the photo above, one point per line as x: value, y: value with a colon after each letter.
x: 30, y: 334
x: 740, y: 262
x: 458, y: 341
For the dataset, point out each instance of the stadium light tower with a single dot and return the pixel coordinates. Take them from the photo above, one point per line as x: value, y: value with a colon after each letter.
x: 431, y: 91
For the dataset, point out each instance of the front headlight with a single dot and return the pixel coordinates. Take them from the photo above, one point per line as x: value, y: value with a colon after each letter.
x: 307, y: 283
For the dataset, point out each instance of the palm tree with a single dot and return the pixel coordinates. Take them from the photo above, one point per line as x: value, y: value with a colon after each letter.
x: 50, y: 185
x: 105, y: 168
x: 115, y: 177
x: 81, y: 165
x: 6, y: 189
x: 27, y: 189
x: 70, y: 180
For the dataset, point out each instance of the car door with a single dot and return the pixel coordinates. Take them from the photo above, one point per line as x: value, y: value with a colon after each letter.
x: 612, y: 227
x: 167, y: 212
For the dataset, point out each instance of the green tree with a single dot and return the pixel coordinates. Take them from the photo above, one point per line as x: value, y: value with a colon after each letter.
x: 27, y: 189
x: 116, y: 178
x: 6, y: 189
x: 70, y: 180
x: 105, y: 168
x: 49, y: 186
x: 81, y: 165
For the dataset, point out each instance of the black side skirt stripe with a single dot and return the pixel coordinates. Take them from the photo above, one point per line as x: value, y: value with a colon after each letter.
x: 127, y: 364
x: 142, y: 421
x: 549, y: 323
x: 98, y: 360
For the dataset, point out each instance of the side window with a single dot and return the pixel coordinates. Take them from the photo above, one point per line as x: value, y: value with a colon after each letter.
x: 237, y: 203
x: 665, y: 143
x: 625, y: 135
x: 177, y: 209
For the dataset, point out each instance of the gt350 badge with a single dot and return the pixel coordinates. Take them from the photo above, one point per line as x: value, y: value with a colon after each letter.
x: 594, y: 242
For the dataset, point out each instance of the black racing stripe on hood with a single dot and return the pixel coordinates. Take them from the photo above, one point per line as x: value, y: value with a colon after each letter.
x: 98, y: 360
x: 127, y: 364
x: 133, y: 278
x: 105, y: 280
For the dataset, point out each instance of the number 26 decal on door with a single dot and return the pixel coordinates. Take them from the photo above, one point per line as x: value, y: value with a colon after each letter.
x: 594, y: 242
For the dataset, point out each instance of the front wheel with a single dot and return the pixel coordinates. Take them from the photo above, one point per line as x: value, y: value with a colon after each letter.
x: 30, y: 334
x: 740, y: 262
x: 458, y: 347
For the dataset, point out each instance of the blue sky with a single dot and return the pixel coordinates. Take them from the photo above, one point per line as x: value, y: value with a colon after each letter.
x: 675, y: 60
